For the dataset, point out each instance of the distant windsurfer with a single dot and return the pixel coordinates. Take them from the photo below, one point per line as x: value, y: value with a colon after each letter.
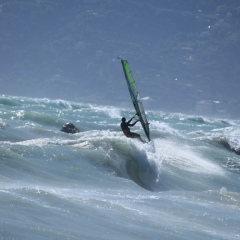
x: 126, y: 130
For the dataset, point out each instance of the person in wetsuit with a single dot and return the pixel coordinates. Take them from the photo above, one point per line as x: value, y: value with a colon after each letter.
x: 126, y: 130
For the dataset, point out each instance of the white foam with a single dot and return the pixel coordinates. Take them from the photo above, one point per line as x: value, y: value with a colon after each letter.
x: 35, y: 142
x: 231, y: 134
x: 2, y: 123
x: 163, y: 127
x: 63, y: 103
x: 110, y: 111
x: 184, y: 157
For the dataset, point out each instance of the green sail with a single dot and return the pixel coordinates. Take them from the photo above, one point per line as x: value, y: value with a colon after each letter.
x: 134, y: 93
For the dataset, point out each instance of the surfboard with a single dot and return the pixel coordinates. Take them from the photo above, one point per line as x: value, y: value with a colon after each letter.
x: 134, y: 93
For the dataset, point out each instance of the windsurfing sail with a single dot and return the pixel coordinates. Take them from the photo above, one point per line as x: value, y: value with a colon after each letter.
x: 134, y: 93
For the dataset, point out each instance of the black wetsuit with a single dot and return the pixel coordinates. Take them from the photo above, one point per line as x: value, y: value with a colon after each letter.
x: 126, y: 130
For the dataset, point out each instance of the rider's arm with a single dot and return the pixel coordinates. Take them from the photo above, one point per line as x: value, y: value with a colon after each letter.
x: 128, y: 122
x: 131, y: 125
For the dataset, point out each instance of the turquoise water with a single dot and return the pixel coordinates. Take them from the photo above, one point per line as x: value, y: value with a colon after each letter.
x: 97, y: 184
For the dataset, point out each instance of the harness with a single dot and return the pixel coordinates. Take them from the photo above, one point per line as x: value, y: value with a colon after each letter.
x: 126, y: 133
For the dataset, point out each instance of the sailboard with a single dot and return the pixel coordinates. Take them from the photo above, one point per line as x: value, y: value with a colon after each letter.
x: 134, y: 93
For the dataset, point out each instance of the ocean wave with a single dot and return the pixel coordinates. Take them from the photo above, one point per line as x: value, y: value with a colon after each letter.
x: 175, y: 154
x: 229, y: 143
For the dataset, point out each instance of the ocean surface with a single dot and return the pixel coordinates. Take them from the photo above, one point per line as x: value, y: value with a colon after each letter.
x: 98, y: 184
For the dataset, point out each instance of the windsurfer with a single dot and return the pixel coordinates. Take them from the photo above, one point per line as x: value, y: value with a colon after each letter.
x: 126, y: 130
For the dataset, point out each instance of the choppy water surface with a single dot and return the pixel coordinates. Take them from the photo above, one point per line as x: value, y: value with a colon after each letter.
x: 97, y: 184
